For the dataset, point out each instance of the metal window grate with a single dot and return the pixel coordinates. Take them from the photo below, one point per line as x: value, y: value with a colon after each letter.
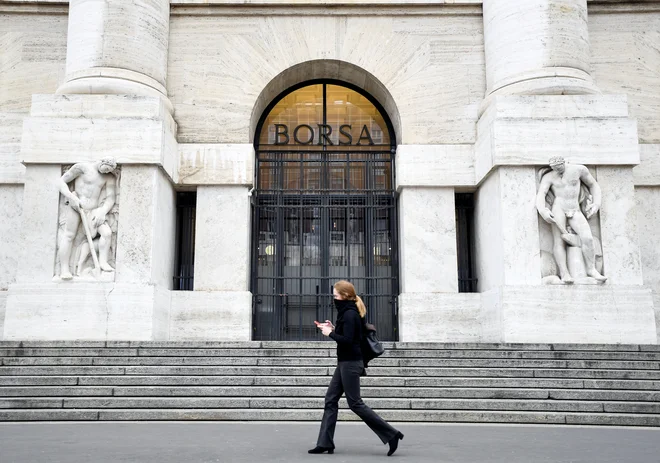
x: 467, y: 281
x: 186, y: 204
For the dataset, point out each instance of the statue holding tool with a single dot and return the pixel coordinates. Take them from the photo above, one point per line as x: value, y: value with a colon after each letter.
x: 568, y: 196
x: 89, y: 203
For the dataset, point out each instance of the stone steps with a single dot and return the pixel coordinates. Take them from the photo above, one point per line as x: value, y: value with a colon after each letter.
x: 307, y: 391
x: 15, y: 374
x: 328, y: 362
x: 426, y: 382
x: 316, y: 403
x: 242, y: 414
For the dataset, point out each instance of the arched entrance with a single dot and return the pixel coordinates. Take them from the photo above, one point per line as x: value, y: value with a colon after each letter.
x: 324, y: 209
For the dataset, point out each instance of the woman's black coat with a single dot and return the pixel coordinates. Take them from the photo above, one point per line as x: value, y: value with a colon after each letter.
x: 348, y: 331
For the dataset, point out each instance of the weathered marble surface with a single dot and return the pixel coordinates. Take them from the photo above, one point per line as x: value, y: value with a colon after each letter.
x: 527, y: 130
x: 3, y: 307
x: 427, y: 240
x: 519, y: 226
x: 434, y: 165
x: 647, y: 173
x: 222, y: 242
x: 145, y: 239
x: 438, y: 317
x: 618, y: 221
x: 39, y: 223
x: 65, y: 129
x: 506, y: 229
x: 625, y: 58
x: 11, y: 209
x: 576, y: 314
x: 163, y: 231
x: 648, y: 220
x: 561, y: 106
x: 11, y: 128
x: 227, y: 164
x: 491, y: 314
x: 97, y: 106
x: 86, y: 311
x: 32, y: 58
x: 553, y: 314
x: 427, y: 62
x: 488, y: 234
x: 211, y: 315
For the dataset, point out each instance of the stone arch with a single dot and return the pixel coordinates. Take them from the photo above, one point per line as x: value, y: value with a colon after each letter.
x: 326, y: 69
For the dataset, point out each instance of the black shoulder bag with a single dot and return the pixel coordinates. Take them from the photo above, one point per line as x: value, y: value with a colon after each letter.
x: 370, y: 345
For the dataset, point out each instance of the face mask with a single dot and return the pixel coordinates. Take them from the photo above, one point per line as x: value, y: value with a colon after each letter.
x: 341, y: 304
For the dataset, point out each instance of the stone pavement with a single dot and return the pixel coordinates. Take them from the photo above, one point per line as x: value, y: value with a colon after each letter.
x: 205, y: 442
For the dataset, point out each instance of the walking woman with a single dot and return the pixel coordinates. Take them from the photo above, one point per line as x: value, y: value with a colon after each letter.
x: 347, y: 332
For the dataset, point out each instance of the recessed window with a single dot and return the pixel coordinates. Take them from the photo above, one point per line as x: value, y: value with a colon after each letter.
x: 184, y: 256
x: 467, y: 281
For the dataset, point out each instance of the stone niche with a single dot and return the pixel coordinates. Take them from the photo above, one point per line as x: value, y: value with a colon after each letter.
x: 86, y: 264
x: 572, y: 241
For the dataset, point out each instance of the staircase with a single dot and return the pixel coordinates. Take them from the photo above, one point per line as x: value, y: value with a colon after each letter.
x: 422, y: 382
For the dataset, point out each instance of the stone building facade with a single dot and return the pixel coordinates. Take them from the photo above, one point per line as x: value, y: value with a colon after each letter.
x: 245, y: 183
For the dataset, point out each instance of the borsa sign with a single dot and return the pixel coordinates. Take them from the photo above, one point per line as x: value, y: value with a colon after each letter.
x: 305, y: 134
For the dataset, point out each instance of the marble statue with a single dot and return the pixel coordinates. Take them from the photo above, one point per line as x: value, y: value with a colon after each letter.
x: 568, y: 196
x: 90, y: 202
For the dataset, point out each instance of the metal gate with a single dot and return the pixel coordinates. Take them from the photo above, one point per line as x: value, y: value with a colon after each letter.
x: 320, y: 216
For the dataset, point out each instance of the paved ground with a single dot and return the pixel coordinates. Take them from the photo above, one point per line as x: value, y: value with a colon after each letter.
x: 201, y: 442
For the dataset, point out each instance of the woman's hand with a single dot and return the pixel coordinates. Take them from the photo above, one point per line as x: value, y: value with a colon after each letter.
x: 327, y: 329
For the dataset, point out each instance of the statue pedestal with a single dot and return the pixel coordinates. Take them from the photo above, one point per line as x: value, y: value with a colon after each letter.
x: 90, y: 311
x: 574, y: 314
x: 75, y: 310
x: 569, y: 314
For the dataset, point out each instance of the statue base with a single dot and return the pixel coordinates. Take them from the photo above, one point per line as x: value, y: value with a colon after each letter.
x: 87, y: 276
x: 83, y: 310
x: 605, y: 314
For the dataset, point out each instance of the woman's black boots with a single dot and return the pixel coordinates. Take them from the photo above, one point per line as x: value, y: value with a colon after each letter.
x: 318, y: 449
x: 394, y: 443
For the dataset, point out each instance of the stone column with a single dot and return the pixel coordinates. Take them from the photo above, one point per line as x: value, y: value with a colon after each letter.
x: 537, y: 47
x: 117, y: 47
x: 112, y: 103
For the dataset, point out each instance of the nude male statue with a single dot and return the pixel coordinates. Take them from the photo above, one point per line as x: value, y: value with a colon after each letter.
x: 90, y: 179
x: 564, y: 182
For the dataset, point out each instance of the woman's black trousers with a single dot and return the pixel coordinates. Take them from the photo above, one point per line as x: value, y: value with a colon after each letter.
x: 346, y: 379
